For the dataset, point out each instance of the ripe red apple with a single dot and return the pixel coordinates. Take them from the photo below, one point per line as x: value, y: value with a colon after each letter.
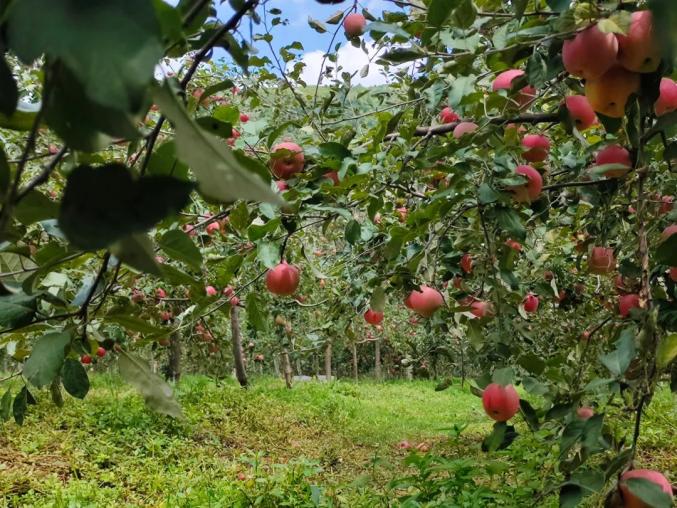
x: 530, y: 303
x: 101, y: 352
x: 667, y: 100
x: 211, y: 291
x: 404, y: 445
x: 85, y: 359
x: 425, y: 301
x: 138, y: 296
x: 228, y: 291
x: 213, y: 227
x: 626, y: 303
x: 287, y: 165
x: 481, y: 309
x: 234, y: 301
x: 580, y: 111
x: 585, y: 335
x: 464, y: 128
x: 447, y: 115
x: 632, y: 501
x: 668, y: 232
x: 283, y: 280
x: 500, y: 402
x: 666, y: 204
x: 52, y: 149
x: 166, y: 315
x: 585, y: 412
x: 673, y: 273
x: 640, y: 50
x: 402, y: 212
x: 333, y: 176
x: 244, y: 118
x: 537, y: 147
x: 513, y: 244
x: 614, y: 154
x: 504, y: 82
x: 609, y: 93
x: 354, y: 24
x: 601, y: 260
x: 532, y: 189
x: 189, y: 229
x: 160, y: 293
x: 373, y: 317
x: 281, y: 185
x: 590, y: 53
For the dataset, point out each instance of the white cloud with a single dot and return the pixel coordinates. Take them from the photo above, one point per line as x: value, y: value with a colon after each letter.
x: 350, y: 59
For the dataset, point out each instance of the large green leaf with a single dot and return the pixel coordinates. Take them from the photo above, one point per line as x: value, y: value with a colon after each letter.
x: 9, y: 94
x: 35, y: 207
x: 123, y: 318
x: 16, y: 310
x: 157, y: 394
x: 112, y: 46
x: 137, y: 251
x: 74, y: 378
x: 256, y: 312
x: 46, y: 358
x: 22, y: 119
x: 6, y: 405
x: 618, y: 360
x: 439, y: 11
x: 666, y: 253
x: 105, y: 204
x: 649, y: 492
x: 178, y: 245
x: 667, y: 351
x: 220, y: 176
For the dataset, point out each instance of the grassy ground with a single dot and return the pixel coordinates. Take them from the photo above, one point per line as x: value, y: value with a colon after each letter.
x: 316, y: 445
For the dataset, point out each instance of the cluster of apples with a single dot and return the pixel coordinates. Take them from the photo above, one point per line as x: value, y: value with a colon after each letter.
x: 87, y: 359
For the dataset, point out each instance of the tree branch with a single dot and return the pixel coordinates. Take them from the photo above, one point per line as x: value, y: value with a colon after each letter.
x: 449, y: 127
x: 43, y: 176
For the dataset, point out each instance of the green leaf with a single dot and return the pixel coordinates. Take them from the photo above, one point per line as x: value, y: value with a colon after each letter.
x: 618, y: 360
x: 74, y: 378
x: 36, y: 207
x: 16, y: 310
x: 381, y: 28
x: 581, y: 484
x: 163, y: 162
x: 667, y: 351
x: 537, y: 70
x: 220, y: 176
x: 353, y: 231
x: 487, y: 194
x: 378, y: 299
x: 178, y: 277
x: 666, y: 253
x: 402, y: 55
x: 157, y: 394
x: 617, y: 23
x: 6, y: 405
x: 649, y: 492
x: 215, y: 126
x: 22, y: 119
x: 500, y: 438
x: 112, y: 53
x: 102, y: 205
x: 239, y: 53
x: 9, y: 93
x: 268, y: 253
x: 218, y: 87
x: 519, y: 7
x: 135, y: 324
x: 558, y: 5
x: 46, y: 358
x: 20, y: 405
x: 464, y: 14
x: 529, y: 414
x: 137, y: 251
x: 316, y: 25
x: 334, y: 150
x: 178, y: 245
x: 509, y: 220
x: 256, y: 315
x: 225, y: 270
x: 440, y: 10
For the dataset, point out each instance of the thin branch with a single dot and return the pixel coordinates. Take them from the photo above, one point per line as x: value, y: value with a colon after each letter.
x: 369, y: 113
x: 574, y: 184
x: 92, y: 290
x: 43, y: 176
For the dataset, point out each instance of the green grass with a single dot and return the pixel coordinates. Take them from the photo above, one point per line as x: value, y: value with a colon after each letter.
x: 316, y: 445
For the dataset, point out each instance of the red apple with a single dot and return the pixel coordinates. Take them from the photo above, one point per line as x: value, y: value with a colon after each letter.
x: 286, y: 165
x: 244, y: 118
x: 160, y: 293
x: 211, y: 291
x: 532, y: 189
x: 166, y: 315
x: 585, y: 335
x: 537, y: 147
x: 86, y: 359
x: 580, y: 111
x: 404, y: 445
x: 464, y: 128
x: 354, y: 24
x: 213, y: 227
x: 500, y: 402
x: 447, y: 115
x: 504, y: 82
x: 668, y: 232
x: 373, y: 317
x: 100, y: 352
x: 640, y: 50
x: 673, y: 273
x: 630, y: 500
x: 667, y: 100
x: 667, y: 203
x: 585, y: 412
x: 228, y: 291
x: 530, y: 303
x: 283, y: 280
x: 189, y: 229
x: 234, y: 301
x: 626, y: 303
x: 333, y: 176
x: 513, y: 244
x: 590, y: 53
x: 466, y: 263
x: 481, y: 309
x: 402, y: 212
x: 614, y: 154
x: 601, y: 260
x: 425, y: 301
x: 138, y: 296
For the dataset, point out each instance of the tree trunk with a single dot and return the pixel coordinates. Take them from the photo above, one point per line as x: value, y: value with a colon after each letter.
x: 174, y: 362
x: 286, y: 366
x: 327, y: 360
x: 377, y: 359
x: 316, y: 364
x: 355, y: 373
x: 299, y: 370
x: 276, y: 366
x: 236, y: 344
